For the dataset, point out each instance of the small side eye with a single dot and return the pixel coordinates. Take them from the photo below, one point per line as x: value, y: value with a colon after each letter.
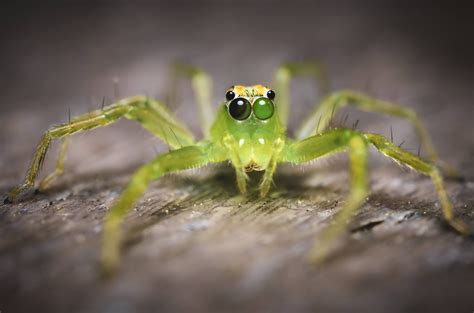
x: 230, y: 95
x: 240, y: 109
x: 271, y: 94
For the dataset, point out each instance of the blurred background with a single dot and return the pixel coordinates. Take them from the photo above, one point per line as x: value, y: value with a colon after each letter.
x: 61, y: 58
x: 58, y: 59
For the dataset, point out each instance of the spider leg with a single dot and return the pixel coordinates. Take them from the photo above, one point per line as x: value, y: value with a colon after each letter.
x: 151, y: 114
x: 321, y: 117
x: 403, y: 157
x: 180, y: 159
x: 201, y: 83
x: 338, y: 140
x: 242, y: 179
x: 240, y: 174
x: 326, y: 144
x: 267, y: 178
x: 59, y: 169
x: 282, y: 82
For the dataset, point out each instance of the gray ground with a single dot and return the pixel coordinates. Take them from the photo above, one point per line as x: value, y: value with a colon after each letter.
x: 193, y: 243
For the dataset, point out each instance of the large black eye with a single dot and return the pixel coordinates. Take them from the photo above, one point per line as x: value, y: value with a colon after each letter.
x: 271, y: 94
x: 230, y: 95
x: 240, y: 109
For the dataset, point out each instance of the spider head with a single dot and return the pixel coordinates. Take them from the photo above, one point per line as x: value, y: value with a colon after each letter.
x: 249, y: 119
x: 250, y: 102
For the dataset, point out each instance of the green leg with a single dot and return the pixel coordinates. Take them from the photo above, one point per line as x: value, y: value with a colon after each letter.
x: 282, y: 82
x: 323, y: 145
x: 240, y: 174
x: 319, y: 120
x: 242, y: 179
x: 338, y: 140
x: 180, y: 159
x: 151, y: 114
x: 59, y: 169
x: 267, y: 178
x: 202, y: 86
x: 405, y: 158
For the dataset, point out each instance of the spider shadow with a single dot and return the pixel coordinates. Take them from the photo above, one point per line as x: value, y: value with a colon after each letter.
x: 219, y: 186
x: 94, y: 184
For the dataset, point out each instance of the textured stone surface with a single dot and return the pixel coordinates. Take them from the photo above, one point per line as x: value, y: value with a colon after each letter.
x: 192, y: 242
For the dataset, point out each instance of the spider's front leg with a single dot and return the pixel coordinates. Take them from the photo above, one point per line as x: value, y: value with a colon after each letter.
x: 323, y: 145
x: 151, y: 114
x: 180, y: 159
x: 337, y: 140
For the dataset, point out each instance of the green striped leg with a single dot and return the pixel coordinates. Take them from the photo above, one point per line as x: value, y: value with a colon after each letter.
x: 320, y: 118
x: 282, y: 82
x: 201, y: 83
x: 150, y: 113
x: 180, y: 159
x: 338, y: 140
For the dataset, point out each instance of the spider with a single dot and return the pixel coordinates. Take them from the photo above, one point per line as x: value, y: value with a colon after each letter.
x: 249, y: 131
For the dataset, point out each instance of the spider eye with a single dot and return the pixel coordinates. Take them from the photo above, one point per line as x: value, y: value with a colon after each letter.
x: 263, y: 108
x: 240, y: 109
x: 230, y: 95
x: 271, y: 94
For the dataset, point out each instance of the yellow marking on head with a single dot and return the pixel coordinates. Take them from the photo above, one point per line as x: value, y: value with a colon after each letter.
x: 249, y: 91
x: 239, y: 90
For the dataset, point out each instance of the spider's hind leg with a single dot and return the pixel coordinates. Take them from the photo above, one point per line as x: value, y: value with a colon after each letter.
x: 282, y: 81
x: 320, y: 118
x: 201, y: 83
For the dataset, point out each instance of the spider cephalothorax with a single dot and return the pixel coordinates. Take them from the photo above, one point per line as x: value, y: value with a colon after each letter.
x: 249, y: 131
x: 248, y: 125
